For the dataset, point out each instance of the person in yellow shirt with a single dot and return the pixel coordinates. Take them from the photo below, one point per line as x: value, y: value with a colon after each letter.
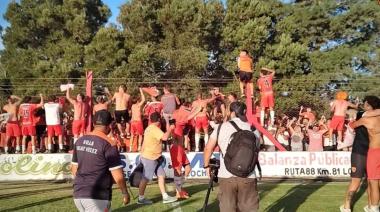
x: 151, y: 158
x: 245, y: 64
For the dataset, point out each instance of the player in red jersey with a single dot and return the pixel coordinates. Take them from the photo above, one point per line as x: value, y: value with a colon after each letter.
x: 266, y: 93
x: 28, y: 127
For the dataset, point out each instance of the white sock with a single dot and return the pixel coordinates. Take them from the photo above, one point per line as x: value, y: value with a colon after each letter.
x: 6, y: 149
x: 206, y: 138
x: 262, y: 114
x: 60, y: 146
x: 197, y: 138
x: 17, y: 148
x: 23, y: 149
x: 49, y: 146
x: 75, y: 140
x: 141, y: 197
x: 33, y: 149
x: 272, y: 116
x: 165, y: 195
x: 374, y: 208
x: 178, y: 183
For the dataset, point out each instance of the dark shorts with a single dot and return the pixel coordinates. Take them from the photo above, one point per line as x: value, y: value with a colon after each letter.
x: 121, y: 116
x: 40, y: 130
x: 245, y: 76
x: 358, y: 165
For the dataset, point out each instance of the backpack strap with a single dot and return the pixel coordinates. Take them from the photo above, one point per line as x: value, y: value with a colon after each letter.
x: 235, y: 126
x: 217, y: 138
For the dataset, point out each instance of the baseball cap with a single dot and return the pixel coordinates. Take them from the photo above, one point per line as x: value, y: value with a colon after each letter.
x: 103, y: 118
x: 240, y: 110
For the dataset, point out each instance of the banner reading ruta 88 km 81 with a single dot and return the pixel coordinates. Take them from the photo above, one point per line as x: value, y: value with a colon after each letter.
x: 274, y: 165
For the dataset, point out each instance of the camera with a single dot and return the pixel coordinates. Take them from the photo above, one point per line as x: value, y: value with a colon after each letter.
x: 214, y: 165
x: 172, y: 122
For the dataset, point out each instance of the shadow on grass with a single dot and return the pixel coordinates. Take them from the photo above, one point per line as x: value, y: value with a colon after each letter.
x: 294, y: 198
x: 48, y: 201
x: 32, y: 192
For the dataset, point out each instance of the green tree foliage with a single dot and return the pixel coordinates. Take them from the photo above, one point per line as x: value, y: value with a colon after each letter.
x: 47, y: 38
x: 316, y: 47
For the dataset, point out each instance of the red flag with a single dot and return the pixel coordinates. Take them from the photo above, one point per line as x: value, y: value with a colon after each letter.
x: 253, y: 120
x: 89, y: 100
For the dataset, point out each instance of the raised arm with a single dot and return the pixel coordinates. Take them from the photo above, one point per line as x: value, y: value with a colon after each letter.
x: 355, y: 106
x: 18, y: 99
x: 301, y: 109
x: 194, y: 113
x: 358, y: 123
x: 68, y: 97
x: 142, y: 98
x: 41, y: 101
x: 272, y: 72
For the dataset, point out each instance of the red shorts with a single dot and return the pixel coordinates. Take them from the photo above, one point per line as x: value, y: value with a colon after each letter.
x: 337, y: 123
x: 178, y: 156
x: 267, y: 100
x: 13, y: 129
x: 201, y: 122
x: 373, y: 164
x: 78, y: 127
x: 137, y: 128
x: 54, y: 130
x: 28, y: 130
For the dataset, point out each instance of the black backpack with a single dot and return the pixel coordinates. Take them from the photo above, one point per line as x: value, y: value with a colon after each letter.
x: 242, y: 152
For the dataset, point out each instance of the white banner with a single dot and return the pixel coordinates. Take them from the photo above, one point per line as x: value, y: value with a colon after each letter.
x: 274, y: 164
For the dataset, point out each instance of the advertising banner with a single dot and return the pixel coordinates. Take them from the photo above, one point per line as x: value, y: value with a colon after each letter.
x: 274, y: 164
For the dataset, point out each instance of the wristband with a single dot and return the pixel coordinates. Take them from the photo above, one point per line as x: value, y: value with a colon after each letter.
x: 205, y: 167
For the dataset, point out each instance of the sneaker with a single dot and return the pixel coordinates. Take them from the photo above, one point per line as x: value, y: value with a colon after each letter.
x: 342, y: 209
x: 144, y: 201
x: 169, y: 199
x: 366, y: 209
x: 61, y: 151
x: 17, y: 152
x: 182, y: 195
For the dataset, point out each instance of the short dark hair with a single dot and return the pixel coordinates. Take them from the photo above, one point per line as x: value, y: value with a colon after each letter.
x: 155, y: 117
x: 27, y: 99
x: 82, y: 96
x: 240, y: 109
x: 234, y: 95
x: 374, y: 101
x: 52, y: 98
x: 124, y: 87
x: 244, y: 50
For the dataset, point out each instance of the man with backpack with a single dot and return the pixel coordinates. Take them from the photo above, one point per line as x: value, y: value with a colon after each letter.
x: 239, y: 147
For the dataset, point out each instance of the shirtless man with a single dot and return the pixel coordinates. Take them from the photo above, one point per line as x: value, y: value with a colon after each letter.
x: 339, y: 106
x: 373, y: 158
x: 137, y: 128
x: 102, y: 103
x: 309, y: 115
x: 28, y: 121
x: 121, y: 99
x: 266, y: 93
x: 12, y: 128
x: 182, y: 116
x: 201, y: 119
x: 80, y: 114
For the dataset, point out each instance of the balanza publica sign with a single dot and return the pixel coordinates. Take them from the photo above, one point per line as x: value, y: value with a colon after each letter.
x: 274, y: 164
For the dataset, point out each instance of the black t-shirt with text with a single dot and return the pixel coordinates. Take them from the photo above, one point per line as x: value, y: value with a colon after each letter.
x: 96, y: 156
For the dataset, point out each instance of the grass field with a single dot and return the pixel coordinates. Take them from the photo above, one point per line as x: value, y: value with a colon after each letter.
x: 274, y: 196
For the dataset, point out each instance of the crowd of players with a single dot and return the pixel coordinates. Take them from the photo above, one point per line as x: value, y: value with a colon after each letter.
x: 54, y: 124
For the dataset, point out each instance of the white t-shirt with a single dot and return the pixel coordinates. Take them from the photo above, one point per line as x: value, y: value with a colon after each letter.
x: 224, y: 138
x: 52, y: 114
x: 283, y: 138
